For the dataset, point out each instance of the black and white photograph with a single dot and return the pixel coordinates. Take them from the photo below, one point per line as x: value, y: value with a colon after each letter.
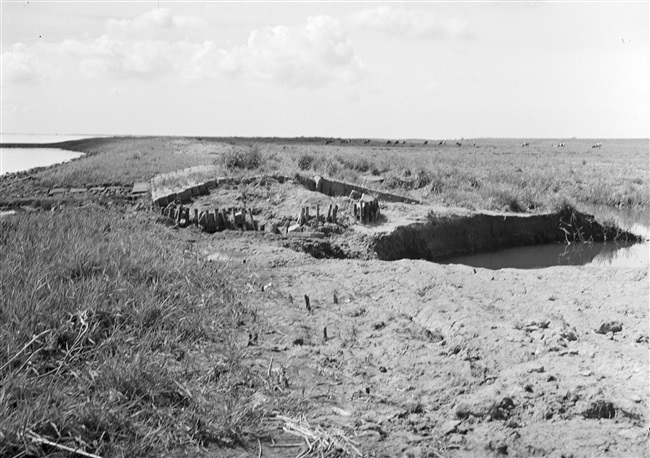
x: 314, y: 229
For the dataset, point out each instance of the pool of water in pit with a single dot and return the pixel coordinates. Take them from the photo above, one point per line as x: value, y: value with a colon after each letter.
x: 608, y: 254
x: 601, y: 254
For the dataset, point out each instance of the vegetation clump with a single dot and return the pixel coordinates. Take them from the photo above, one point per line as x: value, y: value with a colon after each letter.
x: 305, y: 161
x: 247, y: 158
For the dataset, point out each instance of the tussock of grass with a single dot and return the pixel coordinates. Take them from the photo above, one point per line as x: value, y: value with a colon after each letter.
x: 243, y: 157
x: 305, y: 161
x: 101, y: 322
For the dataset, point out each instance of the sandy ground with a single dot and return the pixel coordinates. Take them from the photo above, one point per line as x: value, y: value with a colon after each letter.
x: 421, y: 359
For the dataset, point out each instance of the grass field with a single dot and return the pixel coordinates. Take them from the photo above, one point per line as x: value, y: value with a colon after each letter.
x: 118, y: 340
x: 494, y: 175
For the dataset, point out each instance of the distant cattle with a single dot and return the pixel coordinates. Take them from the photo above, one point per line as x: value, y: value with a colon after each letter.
x: 365, y: 142
x: 396, y: 142
x: 459, y: 144
x: 526, y: 144
x: 597, y: 145
x: 559, y: 145
x: 329, y: 142
x: 426, y: 142
x: 474, y: 144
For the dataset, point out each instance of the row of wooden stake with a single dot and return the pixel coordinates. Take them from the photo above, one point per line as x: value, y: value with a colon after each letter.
x: 332, y: 212
x: 212, y: 220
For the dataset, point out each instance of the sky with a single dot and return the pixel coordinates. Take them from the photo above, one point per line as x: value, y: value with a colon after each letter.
x: 410, y: 70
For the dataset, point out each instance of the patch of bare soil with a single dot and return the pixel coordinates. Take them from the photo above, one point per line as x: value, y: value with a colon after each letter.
x: 412, y: 358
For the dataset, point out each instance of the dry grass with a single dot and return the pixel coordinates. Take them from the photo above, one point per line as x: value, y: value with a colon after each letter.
x: 495, y: 175
x: 127, y: 160
x: 104, y: 321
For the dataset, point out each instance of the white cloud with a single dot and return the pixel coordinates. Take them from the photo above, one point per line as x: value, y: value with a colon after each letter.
x: 20, y: 66
x: 105, y: 56
x: 136, y: 48
x: 312, y: 55
x: 151, y: 24
x: 410, y: 24
x: 431, y: 86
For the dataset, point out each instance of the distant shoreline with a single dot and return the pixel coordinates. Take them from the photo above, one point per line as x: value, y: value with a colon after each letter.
x: 237, y: 139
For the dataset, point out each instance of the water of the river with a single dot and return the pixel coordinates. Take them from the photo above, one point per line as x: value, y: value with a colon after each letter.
x: 19, y: 159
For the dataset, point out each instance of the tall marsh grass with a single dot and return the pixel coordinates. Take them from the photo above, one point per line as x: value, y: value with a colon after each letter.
x: 104, y: 318
x: 498, y: 174
x: 125, y: 160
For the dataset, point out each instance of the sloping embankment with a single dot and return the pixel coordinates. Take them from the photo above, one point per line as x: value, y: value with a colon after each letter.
x: 446, y: 233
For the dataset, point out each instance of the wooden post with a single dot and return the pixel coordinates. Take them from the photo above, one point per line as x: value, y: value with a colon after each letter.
x: 224, y: 218
x: 306, y: 214
x: 253, y: 225
x: 203, y: 218
x: 210, y: 223
x: 243, y: 219
x: 329, y: 214
x: 234, y: 218
x: 219, y: 217
x: 196, y: 217
x: 334, y: 212
x: 317, y: 215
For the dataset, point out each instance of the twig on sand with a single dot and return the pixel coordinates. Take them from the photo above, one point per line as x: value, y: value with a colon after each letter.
x: 259, y: 455
x: 299, y: 444
x: 41, y: 440
x: 317, y: 438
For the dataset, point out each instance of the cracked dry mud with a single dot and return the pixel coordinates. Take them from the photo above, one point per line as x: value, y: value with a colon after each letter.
x: 423, y: 359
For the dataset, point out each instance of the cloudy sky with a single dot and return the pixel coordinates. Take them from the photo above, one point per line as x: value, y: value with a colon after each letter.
x: 348, y: 69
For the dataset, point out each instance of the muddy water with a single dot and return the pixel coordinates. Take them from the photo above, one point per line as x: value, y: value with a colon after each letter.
x: 608, y: 254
